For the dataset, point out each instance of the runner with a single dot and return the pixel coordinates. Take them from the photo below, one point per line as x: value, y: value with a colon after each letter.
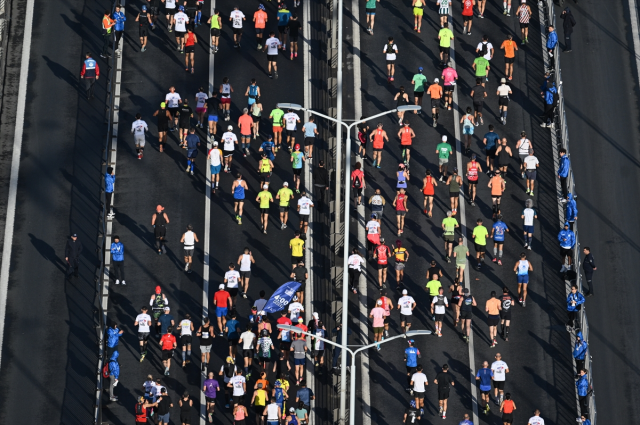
x: 497, y: 234
x: 297, y: 251
x: 524, y: 13
x: 418, y: 382
x: 225, y: 98
x: 418, y: 11
x: 509, y: 46
x: 387, y: 306
x: 206, y: 333
x: 499, y: 371
x: 260, y: 18
x: 522, y: 269
x: 468, y: 125
x: 524, y: 145
x: 356, y: 261
x: 138, y: 129
x: 401, y: 256
x: 485, y: 376
x: 466, y: 303
x: 528, y: 215
x: 295, y: 308
x: 473, y: 171
x: 363, y: 130
x: 310, y: 130
x: 507, y: 406
x: 449, y: 78
x: 276, y: 116
x: 272, y: 412
x: 201, y: 106
x: 504, y: 155
x: 264, y: 348
x: 159, y: 221
x: 170, y: 8
x: 229, y: 142
x: 493, y: 307
x: 164, y: 117
x: 411, y: 356
x: 239, y: 385
x: 297, y: 159
x: 411, y: 414
x: 505, y: 313
x: 184, y: 115
x: 455, y: 183
x: 481, y: 67
x: 284, y: 195
x: 449, y: 225
x: 231, y: 279
x: 168, y: 344
x: 461, y: 254
x: 480, y: 234
x: 443, y: 11
x: 144, y: 17
x: 190, y: 42
x: 497, y: 185
x: 503, y: 99
x: 443, y: 149
x: 318, y: 346
x: 192, y: 141
x: 382, y: 254
x: 290, y: 121
x: 256, y: 115
x: 215, y: 161
x: 435, y: 91
x: 216, y: 25
x: 378, y: 137
x: 236, y: 17
x: 299, y: 349
x: 401, y: 98
x: 377, y: 314
x: 245, y: 124
x: 143, y: 322
x: 481, y: 6
x: 444, y: 382
x: 490, y: 141
x: 210, y: 389
x: 189, y: 238
x: 223, y: 303
x: 439, y: 304
x: 294, y: 27
x: 244, y: 261
x: 265, y: 198
x: 478, y: 94
x: 304, y: 209
x: 214, y: 105
x: 181, y: 20
x: 467, y: 15
x: 485, y: 47
x: 370, y: 9
x: 283, y: 19
x: 433, y: 286
x: 158, y: 302
x: 373, y: 234
x: 406, y: 305
x: 428, y: 191
x: 390, y: 50
x: 186, y: 334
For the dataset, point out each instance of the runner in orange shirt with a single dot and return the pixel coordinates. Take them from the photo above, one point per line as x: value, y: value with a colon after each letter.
x: 260, y: 18
x: 378, y: 137
x: 497, y: 185
x: 509, y: 46
x: 406, y: 134
x: 245, y: 123
x: 435, y: 91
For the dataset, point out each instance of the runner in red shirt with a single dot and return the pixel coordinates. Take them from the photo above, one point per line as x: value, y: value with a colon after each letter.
x: 378, y: 137
x: 382, y: 254
x: 467, y: 15
x: 168, y: 344
x: 260, y: 18
x: 190, y: 49
x: 222, y: 301
x: 302, y: 326
x: 428, y: 190
x: 473, y: 170
x: 400, y: 202
x: 284, y: 336
x: 406, y: 134
x: 358, y: 184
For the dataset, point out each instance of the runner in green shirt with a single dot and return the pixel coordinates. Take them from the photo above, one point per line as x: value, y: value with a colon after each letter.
x: 434, y: 285
x: 284, y: 195
x: 265, y: 198
x: 443, y: 150
x: 480, y: 234
x: 445, y: 36
x: 419, y: 82
x: 276, y: 117
x: 481, y: 66
x: 461, y: 253
x: 370, y: 7
x: 449, y: 225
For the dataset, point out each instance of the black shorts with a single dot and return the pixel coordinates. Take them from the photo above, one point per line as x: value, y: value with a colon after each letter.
x: 142, y: 31
x: 285, y: 346
x: 382, y: 266
x: 472, y: 182
x: 449, y: 88
x: 477, y: 106
x: 507, y: 418
x: 296, y: 260
x: 524, y: 25
x: 284, y: 208
x: 245, y: 274
x: 233, y: 292
x: 498, y: 384
x: 173, y: 111
x: 170, y: 11
x: 297, y: 171
x: 435, y: 103
x: 259, y: 31
x: 357, y: 191
x: 503, y: 101
x: 411, y: 370
x: 293, y: 38
x: 566, y: 251
x: 215, y: 32
x: 185, y: 340
x: 143, y: 336
x: 419, y: 394
x: 290, y: 133
x: 189, y: 49
x: 446, y: 50
x: 370, y: 10
x: 480, y: 248
x: 443, y: 393
x: 491, y: 153
x: 308, y: 141
x: 466, y: 18
x: 406, y: 318
x: 391, y: 61
x: 439, y: 318
x: 418, y: 93
x: 167, y: 354
x: 272, y: 58
x: 531, y: 174
x: 237, y: 399
x: 184, y: 125
x: 180, y: 34
x: 185, y: 418
x: 466, y: 315
x: 210, y: 400
x: 233, y: 342
x: 188, y: 252
x: 283, y: 29
x: 154, y: 10
x: 377, y: 150
x: 505, y: 314
x: 247, y: 354
x: 493, y: 320
x: 264, y: 210
x: 304, y: 218
x: 509, y: 60
x: 237, y: 31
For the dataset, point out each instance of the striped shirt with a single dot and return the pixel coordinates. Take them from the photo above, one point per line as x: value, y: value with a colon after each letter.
x: 444, y: 6
x: 524, y: 14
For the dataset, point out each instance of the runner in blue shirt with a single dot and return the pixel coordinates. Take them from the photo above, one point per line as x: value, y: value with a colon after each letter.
x: 485, y: 375
x: 497, y: 233
x: 267, y: 147
x: 466, y: 420
x: 411, y: 356
x: 297, y: 158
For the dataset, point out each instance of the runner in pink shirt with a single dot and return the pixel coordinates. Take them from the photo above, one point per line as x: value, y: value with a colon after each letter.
x: 377, y: 313
x: 449, y: 77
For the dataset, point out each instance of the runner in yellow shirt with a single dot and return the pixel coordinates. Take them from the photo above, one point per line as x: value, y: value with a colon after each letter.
x: 284, y: 195
x: 265, y: 198
x: 297, y: 249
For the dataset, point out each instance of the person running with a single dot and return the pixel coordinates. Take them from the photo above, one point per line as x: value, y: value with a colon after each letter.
x: 159, y: 221
x: 168, y: 344
x: 467, y: 15
x: 503, y: 93
x: 370, y: 9
x: 406, y: 305
x: 284, y: 195
x: 418, y: 11
x: 382, y: 254
x: 497, y: 186
x: 478, y: 94
x: 528, y: 215
x: 170, y: 8
x: 190, y: 41
x: 214, y: 105
x: 144, y: 18
x: 504, y: 155
x: 238, y: 189
x: 205, y: 333
x: 210, y: 388
x: 158, y: 302
x: 481, y: 67
x: 522, y: 269
x: 524, y: 15
x: 294, y: 27
x: 260, y: 18
x: 466, y: 303
x: 492, y: 307
x: 265, y: 198
x: 439, y: 304
x: 378, y: 314
x: 276, y: 116
x: 252, y: 93
x: 245, y: 260
x: 411, y: 356
x: 310, y: 130
x: 265, y: 165
x: 201, y: 106
x: 455, y: 184
x: 216, y: 26
x: 480, y: 234
x: 229, y: 142
x: 164, y: 117
x: 299, y: 348
x: 443, y: 11
x: 481, y: 6
x: 524, y: 145
x: 225, y: 97
x: 443, y: 149
x: 184, y: 115
x: 499, y: 371
x: 497, y: 234
x: 401, y: 98
x: 449, y: 78
x: 245, y: 124
x: 272, y: 412
x: 401, y: 255
x: 400, y: 203
x: 411, y: 414
x: 507, y: 406
x: 181, y: 21
x: 484, y: 378
x: 490, y: 141
x: 377, y: 203
x: 510, y: 47
x: 378, y: 137
x: 138, y: 129
x: 419, y: 82
x: 236, y: 17
x: 449, y: 225
x: 143, y: 322
x: 297, y: 160
x: 391, y: 51
x: 444, y: 381
x: 186, y: 335
x: 473, y: 171
x: 387, y: 306
x: 238, y: 383
x: 461, y: 254
x: 304, y: 209
x: 215, y: 164
x: 189, y: 238
x: 297, y: 251
x: 445, y: 36
x: 468, y: 125
x: 418, y: 383
x: 435, y: 91
x: 283, y: 20
x: 433, y: 286
x: 222, y: 301
x: 290, y: 121
x: 232, y: 279
x: 373, y: 234
x: 192, y: 142
x: 356, y: 261
x: 506, y: 301
x: 256, y: 116
x: 428, y: 184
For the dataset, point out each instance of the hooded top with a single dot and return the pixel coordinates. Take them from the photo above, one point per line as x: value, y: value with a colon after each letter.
x: 563, y: 168
x: 580, y: 350
x: 583, y: 385
x: 550, y: 92
x: 114, y: 366
x: 566, y: 237
x: 109, y: 180
x: 572, y: 208
x: 579, y: 299
x: 552, y: 39
x: 113, y: 336
x: 568, y: 21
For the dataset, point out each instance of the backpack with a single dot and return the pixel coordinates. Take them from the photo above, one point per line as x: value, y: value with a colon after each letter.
x: 484, y: 48
x: 228, y: 370
x: 139, y: 410
x: 357, y: 183
x: 105, y: 370
x: 390, y: 48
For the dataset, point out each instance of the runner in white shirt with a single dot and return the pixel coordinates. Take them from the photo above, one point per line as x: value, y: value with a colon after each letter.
x: 236, y: 17
x: 536, y: 419
x: 170, y: 6
x: 271, y: 46
x: 528, y: 215
x: 503, y: 99
x: 138, y: 128
x: 439, y: 303
x: 215, y: 164
x: 186, y: 334
x: 531, y: 165
x: 229, y: 141
x: 173, y: 101
x: 523, y: 145
x: 290, y: 121
x: 245, y: 260
x: 189, y: 239
x: 149, y: 388
x: 239, y: 385
x: 295, y: 308
x: 304, y: 209
x: 181, y: 20
x: 143, y: 322
x: 232, y: 278
x: 500, y: 370
x: 356, y: 262
x: 406, y: 304
x: 485, y: 42
x: 373, y: 234
x: 248, y: 341
x: 390, y: 50
x: 201, y: 106
x: 418, y: 383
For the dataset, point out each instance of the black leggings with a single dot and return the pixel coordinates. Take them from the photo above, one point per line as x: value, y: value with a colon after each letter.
x: 118, y: 269
x: 354, y: 276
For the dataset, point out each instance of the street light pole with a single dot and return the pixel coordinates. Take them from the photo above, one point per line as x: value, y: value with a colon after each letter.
x: 347, y: 195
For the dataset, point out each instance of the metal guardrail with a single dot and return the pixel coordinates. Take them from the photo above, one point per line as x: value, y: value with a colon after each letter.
x: 562, y: 131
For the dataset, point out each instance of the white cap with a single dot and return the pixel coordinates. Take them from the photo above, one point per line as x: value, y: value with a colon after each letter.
x: 265, y: 187
x: 221, y: 286
x: 295, y: 298
x: 215, y: 143
x: 316, y: 315
x: 285, y: 184
x: 379, y: 302
x: 229, y: 128
x: 436, y: 80
x: 404, y: 292
x: 444, y: 138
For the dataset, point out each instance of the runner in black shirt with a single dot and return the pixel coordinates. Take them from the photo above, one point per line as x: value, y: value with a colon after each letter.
x: 185, y: 113
x: 294, y: 26
x: 164, y: 407
x: 164, y: 117
x: 213, y: 106
x: 444, y: 381
x: 434, y: 269
x: 505, y: 313
x: 411, y: 414
x: 478, y: 93
x: 363, y: 131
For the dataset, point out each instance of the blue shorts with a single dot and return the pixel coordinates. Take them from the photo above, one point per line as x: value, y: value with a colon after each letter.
x: 485, y: 387
x: 163, y: 418
x: 528, y: 229
x: 192, y: 153
x: 467, y: 130
x: 215, y: 169
x: 300, y: 362
x: 523, y: 278
x: 221, y: 311
x: 213, y: 118
x: 272, y: 422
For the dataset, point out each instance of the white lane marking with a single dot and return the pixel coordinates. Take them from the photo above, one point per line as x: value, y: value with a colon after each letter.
x: 633, y: 14
x: 463, y: 226
x: 15, y: 169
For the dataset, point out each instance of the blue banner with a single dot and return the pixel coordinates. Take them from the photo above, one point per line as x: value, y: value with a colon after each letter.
x: 282, y: 297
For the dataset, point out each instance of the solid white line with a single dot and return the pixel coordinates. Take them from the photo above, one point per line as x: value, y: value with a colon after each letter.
x: 15, y: 169
x: 633, y: 14
x: 463, y: 226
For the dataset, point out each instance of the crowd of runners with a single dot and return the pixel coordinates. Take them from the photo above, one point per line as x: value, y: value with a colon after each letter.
x: 270, y: 381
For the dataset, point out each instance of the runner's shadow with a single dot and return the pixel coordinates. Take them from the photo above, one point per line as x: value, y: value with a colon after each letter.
x: 48, y: 252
